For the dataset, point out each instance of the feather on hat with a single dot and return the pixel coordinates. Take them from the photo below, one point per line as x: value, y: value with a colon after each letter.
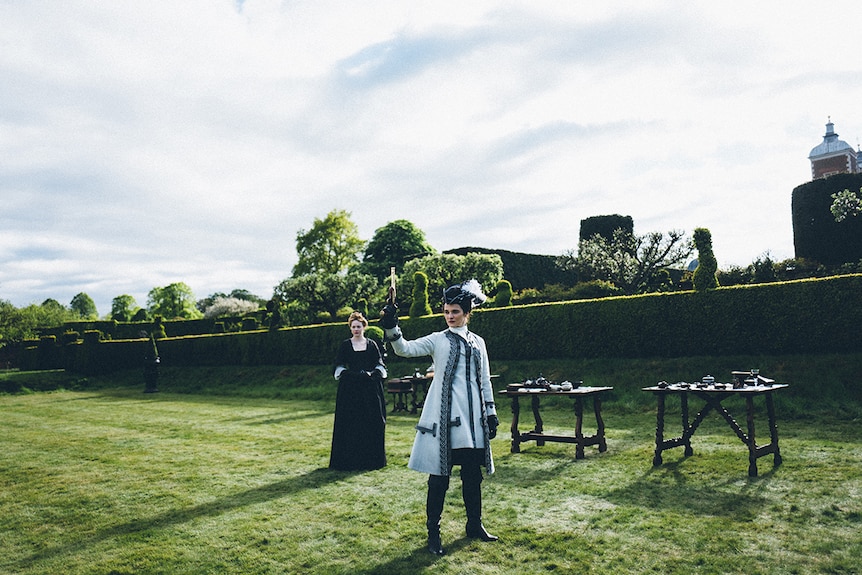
x: 467, y: 295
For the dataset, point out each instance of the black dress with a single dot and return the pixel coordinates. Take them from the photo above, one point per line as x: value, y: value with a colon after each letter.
x: 360, y: 410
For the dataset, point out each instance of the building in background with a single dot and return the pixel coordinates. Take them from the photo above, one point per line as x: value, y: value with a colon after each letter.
x: 833, y: 156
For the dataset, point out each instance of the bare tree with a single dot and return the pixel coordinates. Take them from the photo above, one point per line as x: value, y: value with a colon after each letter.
x: 631, y: 262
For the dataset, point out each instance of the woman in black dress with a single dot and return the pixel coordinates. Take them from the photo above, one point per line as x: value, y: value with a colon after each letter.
x: 360, y: 406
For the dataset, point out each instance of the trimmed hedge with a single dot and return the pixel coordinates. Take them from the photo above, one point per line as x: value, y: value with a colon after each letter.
x: 526, y: 270
x: 816, y: 234
x: 803, y: 316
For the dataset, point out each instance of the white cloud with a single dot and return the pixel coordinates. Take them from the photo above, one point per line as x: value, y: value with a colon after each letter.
x: 147, y: 143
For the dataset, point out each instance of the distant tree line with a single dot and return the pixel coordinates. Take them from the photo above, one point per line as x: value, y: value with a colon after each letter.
x: 337, y: 271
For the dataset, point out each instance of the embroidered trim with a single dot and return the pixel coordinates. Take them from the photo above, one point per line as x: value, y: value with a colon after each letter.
x: 446, y: 403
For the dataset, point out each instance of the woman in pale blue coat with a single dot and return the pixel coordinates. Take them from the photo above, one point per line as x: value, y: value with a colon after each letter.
x: 458, y: 417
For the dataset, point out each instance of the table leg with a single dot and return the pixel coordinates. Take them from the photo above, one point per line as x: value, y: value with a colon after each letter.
x: 686, y: 426
x: 659, y: 430
x: 752, y: 442
x: 600, y: 433
x: 414, y: 403
x: 540, y: 426
x: 516, y: 435
x: 579, y: 430
x: 773, y: 429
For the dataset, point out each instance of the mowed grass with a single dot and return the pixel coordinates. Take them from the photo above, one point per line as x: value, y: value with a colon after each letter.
x: 109, y: 480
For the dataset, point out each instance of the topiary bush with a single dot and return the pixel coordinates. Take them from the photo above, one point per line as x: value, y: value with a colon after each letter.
x: 420, y: 305
x: 158, y: 327
x: 704, y: 277
x: 503, y: 298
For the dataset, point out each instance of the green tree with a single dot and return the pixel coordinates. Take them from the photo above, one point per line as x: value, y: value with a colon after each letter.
x: 52, y: 307
x: 420, y: 305
x: 391, y: 246
x: 444, y: 270
x: 123, y: 308
x: 173, y: 301
x: 704, y: 277
x: 17, y: 325
x: 230, y: 307
x: 330, y: 247
x: 240, y: 294
x: 629, y: 261
x: 83, y: 306
x: 328, y: 293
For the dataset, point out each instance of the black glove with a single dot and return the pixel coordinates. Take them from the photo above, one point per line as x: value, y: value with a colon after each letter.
x: 493, y: 423
x: 389, y: 316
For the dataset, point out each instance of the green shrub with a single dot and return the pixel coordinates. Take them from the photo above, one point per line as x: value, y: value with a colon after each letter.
x: 705, y: 274
x: 595, y: 289
x: 420, y: 305
x: 375, y: 333
x: 503, y: 298
x: 158, y: 327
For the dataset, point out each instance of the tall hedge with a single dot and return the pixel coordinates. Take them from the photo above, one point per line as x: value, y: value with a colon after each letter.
x: 526, y: 270
x: 605, y: 226
x: 803, y: 316
x: 816, y: 234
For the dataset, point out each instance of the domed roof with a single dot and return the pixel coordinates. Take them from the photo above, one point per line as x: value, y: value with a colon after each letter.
x: 830, y: 145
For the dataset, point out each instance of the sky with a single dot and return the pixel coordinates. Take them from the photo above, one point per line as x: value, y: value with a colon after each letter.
x: 148, y: 143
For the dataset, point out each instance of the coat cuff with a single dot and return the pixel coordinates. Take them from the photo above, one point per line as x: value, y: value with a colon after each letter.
x: 392, y: 333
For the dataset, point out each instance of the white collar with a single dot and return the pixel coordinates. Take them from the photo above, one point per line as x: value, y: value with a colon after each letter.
x: 461, y: 330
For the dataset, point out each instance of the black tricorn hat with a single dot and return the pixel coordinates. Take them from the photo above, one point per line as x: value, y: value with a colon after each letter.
x: 467, y: 295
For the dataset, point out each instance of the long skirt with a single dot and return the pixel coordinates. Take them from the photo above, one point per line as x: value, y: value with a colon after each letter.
x: 358, y: 434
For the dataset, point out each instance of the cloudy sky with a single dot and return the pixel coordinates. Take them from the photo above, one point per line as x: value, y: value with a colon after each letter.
x: 146, y: 143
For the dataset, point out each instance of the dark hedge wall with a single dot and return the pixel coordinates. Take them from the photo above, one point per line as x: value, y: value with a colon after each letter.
x: 804, y: 316
x: 816, y: 234
x: 605, y: 226
x: 526, y: 270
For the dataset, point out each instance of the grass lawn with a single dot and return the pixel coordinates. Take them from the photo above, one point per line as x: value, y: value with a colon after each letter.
x: 105, y: 479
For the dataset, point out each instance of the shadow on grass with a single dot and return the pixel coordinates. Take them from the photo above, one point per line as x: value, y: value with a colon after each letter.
x: 668, y: 488
x: 417, y: 560
x: 311, y: 480
x: 319, y: 408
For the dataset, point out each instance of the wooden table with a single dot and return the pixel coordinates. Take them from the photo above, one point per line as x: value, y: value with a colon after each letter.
x: 402, y: 388
x: 713, y: 398
x: 538, y: 435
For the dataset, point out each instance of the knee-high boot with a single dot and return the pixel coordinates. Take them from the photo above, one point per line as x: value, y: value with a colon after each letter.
x: 437, y: 487
x: 471, y: 489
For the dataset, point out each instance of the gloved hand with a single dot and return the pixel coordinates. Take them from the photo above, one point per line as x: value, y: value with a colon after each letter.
x: 389, y: 316
x: 493, y: 423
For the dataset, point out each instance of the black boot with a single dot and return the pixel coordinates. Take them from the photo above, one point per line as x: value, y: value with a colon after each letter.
x: 437, y: 486
x: 471, y: 489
